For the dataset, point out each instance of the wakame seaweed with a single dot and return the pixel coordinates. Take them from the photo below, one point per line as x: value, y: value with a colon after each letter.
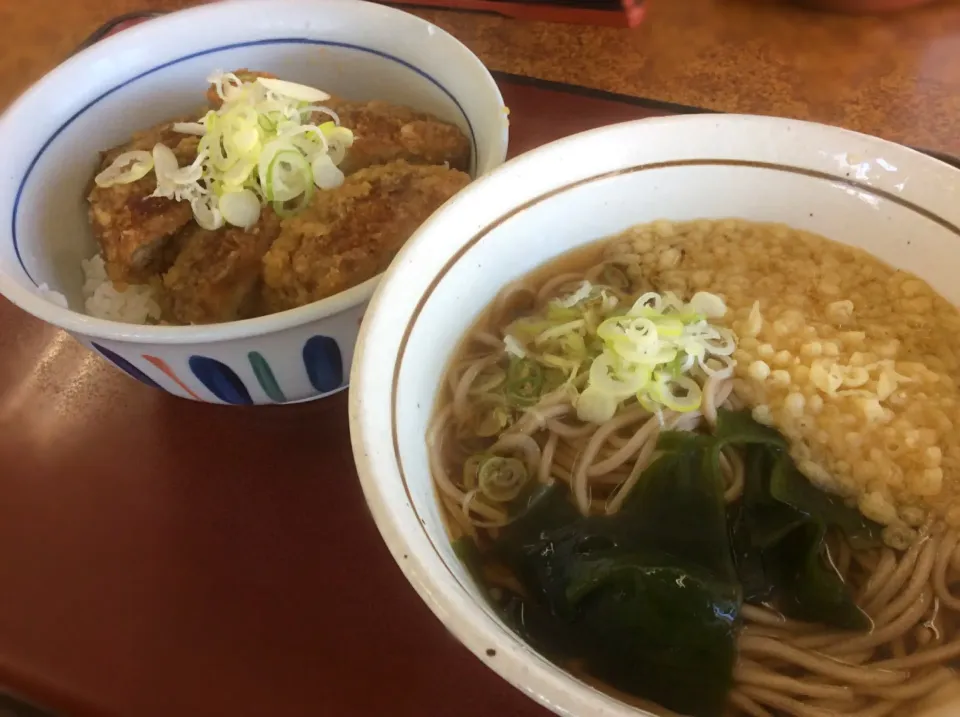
x: 808, y: 586
x: 778, y: 528
x: 779, y: 531
x: 649, y: 599
x: 790, y: 487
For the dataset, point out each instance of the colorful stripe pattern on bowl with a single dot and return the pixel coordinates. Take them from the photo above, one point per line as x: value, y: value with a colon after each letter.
x: 121, y: 363
x: 324, y: 364
x: 221, y: 380
x: 264, y: 374
x: 162, y: 365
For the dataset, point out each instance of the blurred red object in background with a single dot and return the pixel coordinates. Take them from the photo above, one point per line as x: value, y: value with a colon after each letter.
x: 863, y: 6
x: 618, y: 13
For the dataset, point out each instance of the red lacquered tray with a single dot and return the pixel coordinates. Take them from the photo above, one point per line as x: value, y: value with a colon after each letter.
x: 163, y: 557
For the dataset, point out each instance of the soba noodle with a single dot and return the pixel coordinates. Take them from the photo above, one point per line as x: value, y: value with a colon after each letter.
x: 902, y: 666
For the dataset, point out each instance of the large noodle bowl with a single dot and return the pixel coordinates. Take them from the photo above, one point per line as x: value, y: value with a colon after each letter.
x: 711, y: 466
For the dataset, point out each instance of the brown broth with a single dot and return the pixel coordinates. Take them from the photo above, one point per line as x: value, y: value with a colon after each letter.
x: 577, y: 260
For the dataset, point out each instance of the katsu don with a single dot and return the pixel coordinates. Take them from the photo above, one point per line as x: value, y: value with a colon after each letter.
x: 279, y: 195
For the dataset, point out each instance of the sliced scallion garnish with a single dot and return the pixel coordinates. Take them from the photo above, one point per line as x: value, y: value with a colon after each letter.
x: 260, y: 146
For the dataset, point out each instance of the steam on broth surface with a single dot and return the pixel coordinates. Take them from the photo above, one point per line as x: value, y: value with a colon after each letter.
x: 712, y: 465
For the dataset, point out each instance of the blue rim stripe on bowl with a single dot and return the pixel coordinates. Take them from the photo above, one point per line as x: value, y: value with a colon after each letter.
x: 201, y: 53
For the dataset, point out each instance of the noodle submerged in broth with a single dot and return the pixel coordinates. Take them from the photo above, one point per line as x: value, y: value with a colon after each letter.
x: 705, y: 465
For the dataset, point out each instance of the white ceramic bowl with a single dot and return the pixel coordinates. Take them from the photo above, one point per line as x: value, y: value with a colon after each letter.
x: 894, y: 202
x: 156, y: 71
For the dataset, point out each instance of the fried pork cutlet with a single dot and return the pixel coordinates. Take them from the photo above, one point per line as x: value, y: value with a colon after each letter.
x: 350, y: 234
x: 216, y: 276
x: 131, y: 226
x: 384, y: 132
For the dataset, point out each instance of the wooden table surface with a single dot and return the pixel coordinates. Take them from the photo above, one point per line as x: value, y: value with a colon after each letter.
x: 249, y: 580
x: 897, y: 76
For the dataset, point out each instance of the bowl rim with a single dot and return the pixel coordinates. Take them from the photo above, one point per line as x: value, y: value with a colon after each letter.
x: 163, y: 26
x: 398, y: 521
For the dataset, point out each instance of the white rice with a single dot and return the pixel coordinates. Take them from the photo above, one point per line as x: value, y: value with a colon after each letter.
x: 135, y: 304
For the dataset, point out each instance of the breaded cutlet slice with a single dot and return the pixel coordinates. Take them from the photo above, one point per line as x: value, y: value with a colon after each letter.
x: 131, y: 226
x: 385, y: 132
x: 350, y: 234
x: 216, y: 275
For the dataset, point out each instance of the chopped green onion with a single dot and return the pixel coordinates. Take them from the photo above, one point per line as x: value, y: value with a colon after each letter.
x: 196, y: 128
x: 295, y: 91
x: 513, y: 347
x: 241, y: 208
x: 595, y: 406
x: 126, y: 168
x: 558, y: 332
x: 239, y: 173
x: 501, y: 479
x: 710, y: 305
x: 326, y: 175
x: 576, y: 297
x: 648, y: 352
x: 524, y: 384
x: 260, y: 145
x: 207, y: 212
x: 614, y: 354
x: 559, y: 313
x: 492, y: 421
x: 288, y: 176
x: 488, y: 380
x: 677, y: 393
x: 291, y: 208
